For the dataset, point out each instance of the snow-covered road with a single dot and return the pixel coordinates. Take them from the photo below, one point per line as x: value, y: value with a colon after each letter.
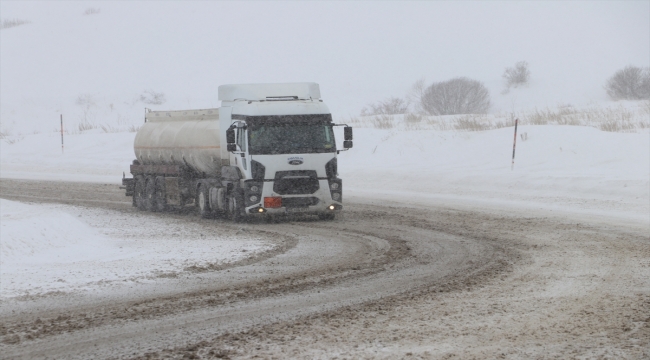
x: 386, y: 280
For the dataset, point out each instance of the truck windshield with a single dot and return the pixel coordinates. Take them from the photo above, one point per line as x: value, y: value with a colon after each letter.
x: 287, y: 135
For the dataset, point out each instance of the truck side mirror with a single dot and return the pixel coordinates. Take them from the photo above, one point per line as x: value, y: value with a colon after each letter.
x: 232, y: 147
x: 347, y: 133
x: 347, y: 144
x: 230, y: 136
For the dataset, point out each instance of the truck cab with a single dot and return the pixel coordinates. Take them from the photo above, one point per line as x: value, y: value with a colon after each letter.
x: 280, y: 144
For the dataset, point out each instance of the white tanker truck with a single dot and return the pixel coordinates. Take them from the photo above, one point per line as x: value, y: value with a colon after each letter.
x: 279, y: 158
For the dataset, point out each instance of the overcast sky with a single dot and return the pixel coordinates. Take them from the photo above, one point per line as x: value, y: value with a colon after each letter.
x: 358, y: 51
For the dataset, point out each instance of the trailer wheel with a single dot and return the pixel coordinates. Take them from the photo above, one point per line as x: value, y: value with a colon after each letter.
x: 138, y: 193
x: 235, y: 209
x: 203, y: 202
x: 150, y: 194
x: 160, y: 196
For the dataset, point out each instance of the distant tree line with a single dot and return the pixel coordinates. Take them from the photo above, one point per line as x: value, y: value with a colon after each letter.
x: 462, y: 95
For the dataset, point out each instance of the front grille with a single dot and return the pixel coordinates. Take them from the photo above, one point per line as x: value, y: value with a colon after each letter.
x: 295, y: 182
x: 299, y: 201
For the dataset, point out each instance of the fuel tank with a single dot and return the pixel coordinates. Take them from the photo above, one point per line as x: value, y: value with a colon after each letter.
x: 186, y: 137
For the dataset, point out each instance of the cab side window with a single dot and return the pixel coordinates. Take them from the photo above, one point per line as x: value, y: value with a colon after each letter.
x: 241, y: 139
x: 241, y: 142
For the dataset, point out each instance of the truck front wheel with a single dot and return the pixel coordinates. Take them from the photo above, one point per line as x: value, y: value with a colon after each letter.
x: 203, y: 202
x: 235, y: 207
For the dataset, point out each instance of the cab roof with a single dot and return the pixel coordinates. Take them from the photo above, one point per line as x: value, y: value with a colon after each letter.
x: 270, y: 92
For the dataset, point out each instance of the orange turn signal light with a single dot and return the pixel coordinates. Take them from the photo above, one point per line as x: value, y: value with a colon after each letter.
x: 272, y: 202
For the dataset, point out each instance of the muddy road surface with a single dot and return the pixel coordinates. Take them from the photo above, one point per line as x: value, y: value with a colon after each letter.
x: 384, y: 280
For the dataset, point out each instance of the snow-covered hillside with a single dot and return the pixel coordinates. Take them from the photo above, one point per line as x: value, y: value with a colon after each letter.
x: 48, y: 248
x: 103, y: 67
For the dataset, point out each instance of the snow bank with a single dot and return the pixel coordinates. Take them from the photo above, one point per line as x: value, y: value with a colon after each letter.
x: 46, y: 248
x: 35, y: 234
x: 574, y: 167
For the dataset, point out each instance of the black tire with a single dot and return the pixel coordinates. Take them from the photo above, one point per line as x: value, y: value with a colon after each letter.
x: 139, y: 192
x: 203, y: 202
x: 235, y: 208
x: 160, y: 195
x: 150, y: 194
x: 328, y: 216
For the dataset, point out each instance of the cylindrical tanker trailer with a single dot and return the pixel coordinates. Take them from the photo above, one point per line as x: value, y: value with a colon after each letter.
x: 268, y: 150
x: 185, y: 138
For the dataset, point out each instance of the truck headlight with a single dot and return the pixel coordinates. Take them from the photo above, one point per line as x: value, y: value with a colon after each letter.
x: 252, y: 192
x: 336, y: 189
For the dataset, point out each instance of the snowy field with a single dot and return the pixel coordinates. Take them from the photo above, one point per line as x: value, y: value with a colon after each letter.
x: 575, y: 169
x: 50, y: 248
x: 570, y: 168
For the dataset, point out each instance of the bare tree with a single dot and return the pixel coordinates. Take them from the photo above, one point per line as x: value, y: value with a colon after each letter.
x: 517, y: 75
x: 456, y: 96
x: 87, y: 102
x: 153, y: 98
x: 390, y: 106
x: 629, y: 83
x: 414, y: 96
x: 92, y: 11
x: 9, y: 23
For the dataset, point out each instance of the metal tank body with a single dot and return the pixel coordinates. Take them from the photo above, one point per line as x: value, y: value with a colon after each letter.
x: 187, y: 138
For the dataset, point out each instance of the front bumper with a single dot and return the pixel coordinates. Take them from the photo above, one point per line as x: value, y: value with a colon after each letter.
x: 319, y: 202
x: 311, y: 210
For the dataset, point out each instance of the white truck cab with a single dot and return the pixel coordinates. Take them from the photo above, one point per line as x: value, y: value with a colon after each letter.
x: 280, y: 139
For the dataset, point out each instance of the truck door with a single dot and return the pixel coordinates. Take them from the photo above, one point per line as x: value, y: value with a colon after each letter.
x: 242, y: 157
x: 241, y: 145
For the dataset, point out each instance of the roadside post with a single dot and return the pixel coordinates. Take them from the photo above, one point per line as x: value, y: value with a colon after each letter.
x: 61, y: 133
x: 514, y: 143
